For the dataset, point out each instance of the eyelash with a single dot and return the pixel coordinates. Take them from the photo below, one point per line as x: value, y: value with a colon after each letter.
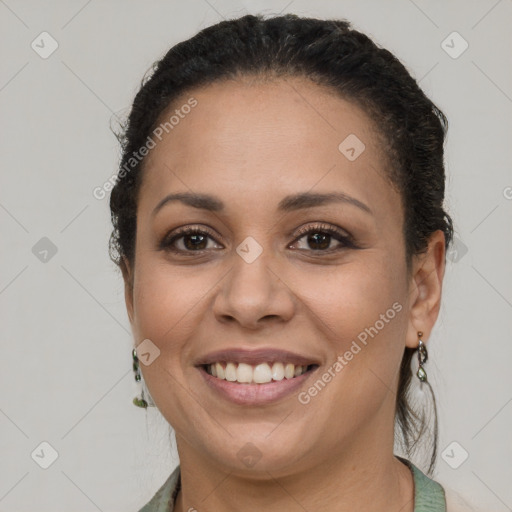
x: 346, y: 240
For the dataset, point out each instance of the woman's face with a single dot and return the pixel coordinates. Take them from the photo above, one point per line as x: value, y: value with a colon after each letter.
x: 251, y: 283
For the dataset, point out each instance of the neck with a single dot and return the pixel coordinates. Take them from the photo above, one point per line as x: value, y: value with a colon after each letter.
x: 361, y: 477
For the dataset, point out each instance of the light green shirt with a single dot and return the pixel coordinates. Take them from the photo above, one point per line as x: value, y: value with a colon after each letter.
x: 429, y: 496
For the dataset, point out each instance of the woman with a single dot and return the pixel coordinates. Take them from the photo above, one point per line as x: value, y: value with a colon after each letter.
x: 279, y: 224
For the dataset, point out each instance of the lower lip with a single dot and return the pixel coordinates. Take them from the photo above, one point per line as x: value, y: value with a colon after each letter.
x: 255, y: 394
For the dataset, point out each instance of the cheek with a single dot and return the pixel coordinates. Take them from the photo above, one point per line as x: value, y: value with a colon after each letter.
x: 165, y: 302
x: 360, y: 312
x: 166, y: 298
x: 348, y: 299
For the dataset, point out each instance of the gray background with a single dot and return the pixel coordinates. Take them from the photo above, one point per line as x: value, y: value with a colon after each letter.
x: 66, y: 364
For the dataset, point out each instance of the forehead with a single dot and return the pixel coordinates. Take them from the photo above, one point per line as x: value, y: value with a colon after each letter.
x: 249, y: 140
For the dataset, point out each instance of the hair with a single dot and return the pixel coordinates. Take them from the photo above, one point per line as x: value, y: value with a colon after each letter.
x: 331, y: 54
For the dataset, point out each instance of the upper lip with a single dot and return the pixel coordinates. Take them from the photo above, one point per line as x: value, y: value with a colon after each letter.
x: 258, y: 356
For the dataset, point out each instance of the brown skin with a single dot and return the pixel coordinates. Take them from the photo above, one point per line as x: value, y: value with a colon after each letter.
x: 251, y: 144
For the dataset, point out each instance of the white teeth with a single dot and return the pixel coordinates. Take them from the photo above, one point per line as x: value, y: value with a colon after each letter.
x: 244, y: 373
x: 231, y: 372
x: 289, y: 371
x: 219, y: 370
x: 260, y: 374
x: 278, y: 371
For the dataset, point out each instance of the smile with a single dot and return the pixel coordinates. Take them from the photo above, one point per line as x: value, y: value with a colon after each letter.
x: 269, y: 390
x: 264, y: 373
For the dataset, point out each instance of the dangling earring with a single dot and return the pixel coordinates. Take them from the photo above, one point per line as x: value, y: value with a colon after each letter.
x: 422, y: 359
x: 139, y: 402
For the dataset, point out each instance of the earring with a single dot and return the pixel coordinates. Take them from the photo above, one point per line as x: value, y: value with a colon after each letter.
x: 422, y: 359
x: 139, y: 402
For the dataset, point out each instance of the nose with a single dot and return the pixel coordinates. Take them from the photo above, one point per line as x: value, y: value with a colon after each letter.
x: 254, y: 294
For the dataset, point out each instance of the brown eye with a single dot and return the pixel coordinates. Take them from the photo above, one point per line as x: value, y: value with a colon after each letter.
x: 191, y: 240
x: 319, y: 238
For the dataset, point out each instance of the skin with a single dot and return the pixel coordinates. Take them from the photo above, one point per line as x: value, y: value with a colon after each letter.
x: 251, y: 144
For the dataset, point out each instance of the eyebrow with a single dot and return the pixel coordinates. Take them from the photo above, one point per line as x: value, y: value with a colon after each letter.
x: 287, y: 204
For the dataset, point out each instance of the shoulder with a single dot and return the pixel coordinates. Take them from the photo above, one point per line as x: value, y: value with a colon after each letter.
x: 432, y: 495
x: 163, y: 500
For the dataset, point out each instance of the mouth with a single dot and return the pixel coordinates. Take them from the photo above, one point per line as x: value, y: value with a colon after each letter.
x: 255, y: 377
x: 255, y: 385
x: 263, y: 373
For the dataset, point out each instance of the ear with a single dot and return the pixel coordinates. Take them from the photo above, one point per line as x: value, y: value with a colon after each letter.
x: 127, y: 272
x: 425, y: 289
